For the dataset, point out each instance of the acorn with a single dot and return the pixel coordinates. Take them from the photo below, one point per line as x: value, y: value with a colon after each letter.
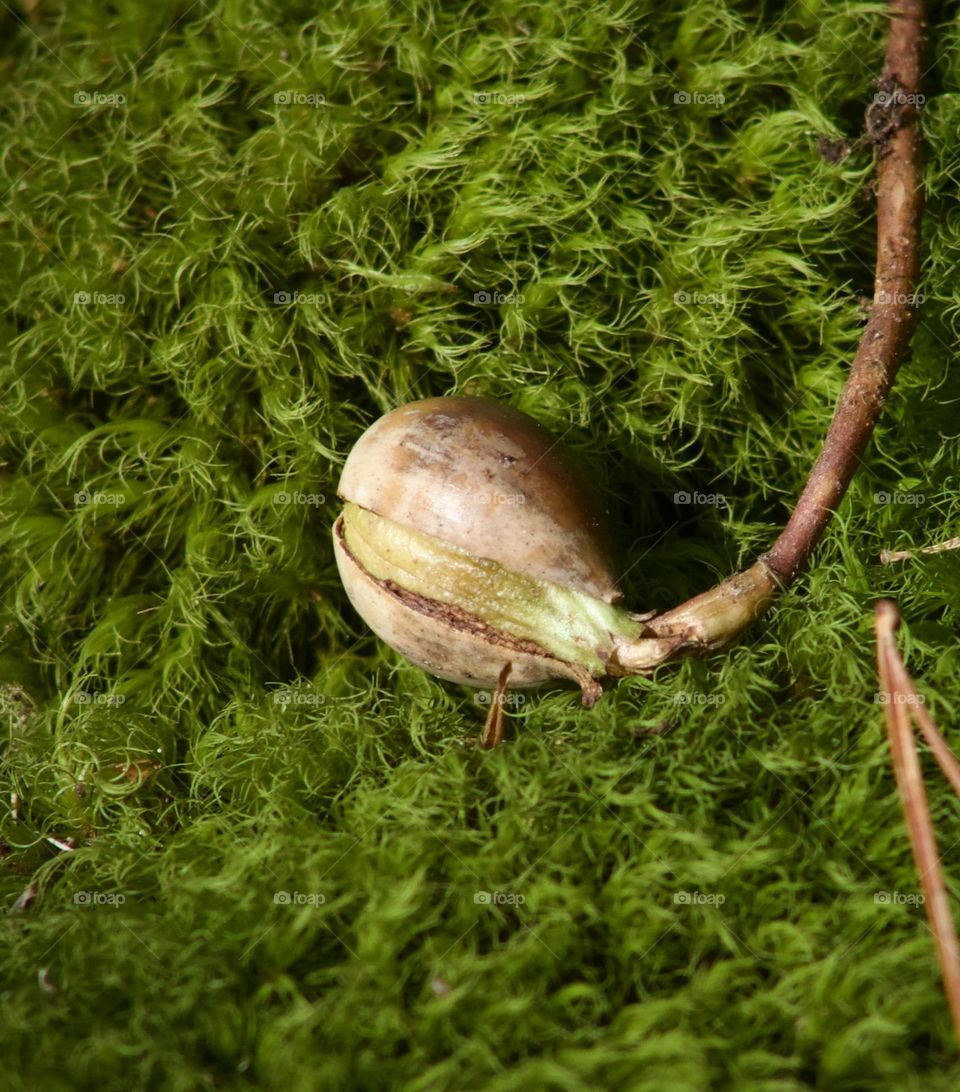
x: 470, y: 543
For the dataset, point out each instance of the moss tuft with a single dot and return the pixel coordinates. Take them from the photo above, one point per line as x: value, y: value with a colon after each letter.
x: 253, y: 848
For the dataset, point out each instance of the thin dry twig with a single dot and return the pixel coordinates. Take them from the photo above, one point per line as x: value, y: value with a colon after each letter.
x: 886, y: 556
x: 900, y: 700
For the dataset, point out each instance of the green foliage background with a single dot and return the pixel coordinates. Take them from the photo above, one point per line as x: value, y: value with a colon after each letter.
x: 190, y: 703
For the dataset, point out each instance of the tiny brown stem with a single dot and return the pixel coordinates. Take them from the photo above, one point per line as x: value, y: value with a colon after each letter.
x: 900, y: 699
x: 493, y: 728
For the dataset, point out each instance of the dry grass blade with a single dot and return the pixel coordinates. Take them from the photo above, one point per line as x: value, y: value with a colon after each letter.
x: 900, y: 699
x: 931, y: 733
x: 886, y: 556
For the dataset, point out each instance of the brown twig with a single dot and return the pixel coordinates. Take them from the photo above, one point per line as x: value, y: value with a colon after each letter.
x: 900, y: 699
x: 893, y: 316
x: 717, y: 616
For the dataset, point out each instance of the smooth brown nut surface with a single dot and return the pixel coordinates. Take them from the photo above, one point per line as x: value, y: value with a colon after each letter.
x: 489, y: 479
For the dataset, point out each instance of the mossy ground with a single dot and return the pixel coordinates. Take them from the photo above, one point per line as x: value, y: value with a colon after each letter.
x: 231, y: 235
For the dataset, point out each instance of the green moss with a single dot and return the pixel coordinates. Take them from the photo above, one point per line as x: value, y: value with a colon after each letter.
x: 230, y: 237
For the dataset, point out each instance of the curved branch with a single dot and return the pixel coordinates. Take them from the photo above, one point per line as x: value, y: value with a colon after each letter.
x: 893, y: 315
x: 714, y: 618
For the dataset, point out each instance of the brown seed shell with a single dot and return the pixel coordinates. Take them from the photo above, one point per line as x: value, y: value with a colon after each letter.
x: 448, y: 643
x: 489, y: 479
